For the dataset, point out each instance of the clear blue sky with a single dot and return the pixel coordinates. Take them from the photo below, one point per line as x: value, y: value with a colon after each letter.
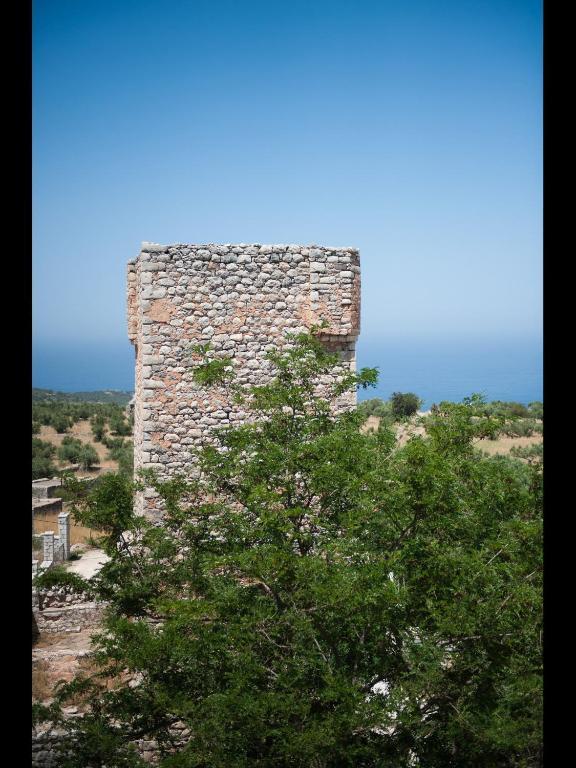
x: 410, y: 129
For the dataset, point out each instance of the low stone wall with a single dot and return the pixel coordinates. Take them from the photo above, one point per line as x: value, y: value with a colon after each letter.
x: 46, y: 488
x: 45, y: 745
x: 56, y: 610
x: 57, y: 597
x: 42, y: 507
x: 68, y: 618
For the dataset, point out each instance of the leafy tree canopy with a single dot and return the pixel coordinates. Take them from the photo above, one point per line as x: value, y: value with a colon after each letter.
x: 319, y: 598
x: 404, y: 404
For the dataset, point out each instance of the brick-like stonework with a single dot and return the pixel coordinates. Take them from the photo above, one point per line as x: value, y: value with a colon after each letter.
x: 242, y: 299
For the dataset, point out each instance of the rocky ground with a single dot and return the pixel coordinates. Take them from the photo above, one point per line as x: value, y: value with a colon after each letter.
x: 59, y: 655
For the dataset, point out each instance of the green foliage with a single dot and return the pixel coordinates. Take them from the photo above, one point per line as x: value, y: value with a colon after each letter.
x: 452, y: 427
x: 42, y: 448
x: 122, y: 451
x: 126, y: 462
x: 521, y: 428
x: 528, y: 451
x: 517, y: 419
x: 107, y: 505
x: 61, y: 423
x: 119, y: 426
x: 70, y: 449
x: 42, y: 467
x: 325, y: 600
x: 507, y: 409
x: 88, y: 457
x: 212, y: 370
x: 404, y: 404
x: 100, y: 396
x: 98, y: 425
x: 42, y: 455
x: 536, y: 410
x: 382, y: 409
x: 58, y: 576
x: 64, y: 412
x: 74, y: 450
x: 113, y: 443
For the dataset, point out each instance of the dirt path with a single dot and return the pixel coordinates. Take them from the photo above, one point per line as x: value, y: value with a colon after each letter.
x: 89, y: 564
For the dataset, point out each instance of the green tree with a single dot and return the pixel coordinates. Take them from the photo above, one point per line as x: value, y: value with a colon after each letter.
x: 61, y: 422
x: 324, y: 598
x: 42, y: 448
x: 42, y: 459
x: 42, y: 467
x: 98, y: 425
x: 70, y: 449
x: 88, y: 456
x: 404, y: 404
x: 119, y: 426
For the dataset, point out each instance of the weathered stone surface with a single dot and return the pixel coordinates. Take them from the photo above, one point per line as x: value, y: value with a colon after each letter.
x: 242, y: 298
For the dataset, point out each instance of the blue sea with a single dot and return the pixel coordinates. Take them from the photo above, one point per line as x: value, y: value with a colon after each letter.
x: 504, y: 369
x: 436, y: 370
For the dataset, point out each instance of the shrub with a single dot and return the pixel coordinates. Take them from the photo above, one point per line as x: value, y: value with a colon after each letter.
x: 535, y: 451
x: 41, y: 448
x: 520, y: 428
x: 536, y: 410
x: 70, y: 449
x: 506, y: 409
x: 58, y: 576
x: 42, y: 455
x: 122, y: 451
x: 88, y: 457
x: 126, y: 462
x: 404, y: 404
x: 61, y: 423
x: 43, y: 467
x: 115, y: 445
x: 120, y: 427
x: 98, y: 424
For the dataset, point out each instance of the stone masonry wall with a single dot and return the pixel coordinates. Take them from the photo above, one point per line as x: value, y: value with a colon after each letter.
x: 56, y: 610
x: 242, y: 299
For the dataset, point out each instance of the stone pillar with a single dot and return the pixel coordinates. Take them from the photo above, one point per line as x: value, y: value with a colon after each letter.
x: 48, y: 537
x: 64, y: 531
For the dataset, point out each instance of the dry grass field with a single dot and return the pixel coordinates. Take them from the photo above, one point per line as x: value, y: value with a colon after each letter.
x: 503, y: 444
x: 83, y: 432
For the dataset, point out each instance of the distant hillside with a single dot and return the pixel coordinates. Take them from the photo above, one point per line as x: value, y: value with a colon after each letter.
x: 121, y: 397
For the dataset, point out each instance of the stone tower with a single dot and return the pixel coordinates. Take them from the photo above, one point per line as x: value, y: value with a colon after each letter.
x: 240, y: 298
